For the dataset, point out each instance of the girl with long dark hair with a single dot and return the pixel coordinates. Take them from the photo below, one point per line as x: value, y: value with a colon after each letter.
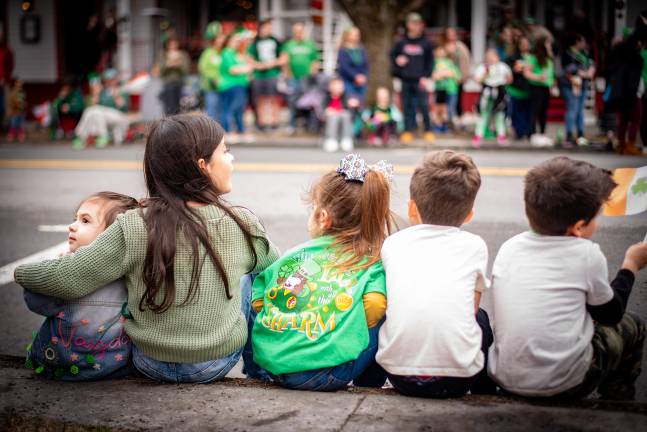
x: 540, y: 72
x: 182, y: 257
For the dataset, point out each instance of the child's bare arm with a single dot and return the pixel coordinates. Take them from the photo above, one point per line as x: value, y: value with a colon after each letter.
x: 480, y: 287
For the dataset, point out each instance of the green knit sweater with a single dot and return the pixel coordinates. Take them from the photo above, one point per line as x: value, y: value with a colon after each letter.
x: 207, y: 328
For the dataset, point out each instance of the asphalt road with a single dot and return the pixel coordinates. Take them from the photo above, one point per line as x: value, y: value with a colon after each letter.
x: 44, y: 188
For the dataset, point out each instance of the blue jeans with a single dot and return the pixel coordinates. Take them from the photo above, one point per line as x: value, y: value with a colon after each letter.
x: 521, y: 115
x: 364, y: 371
x: 296, y: 90
x: 414, y: 98
x: 211, y: 104
x: 198, y: 373
x: 452, y: 102
x: 446, y: 387
x: 574, y: 110
x: 17, y: 122
x: 354, y: 90
x: 233, y: 102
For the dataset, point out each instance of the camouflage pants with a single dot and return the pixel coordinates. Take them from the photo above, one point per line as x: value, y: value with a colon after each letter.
x: 616, y: 364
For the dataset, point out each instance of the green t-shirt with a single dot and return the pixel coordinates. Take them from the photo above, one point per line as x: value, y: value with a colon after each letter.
x: 230, y: 58
x: 265, y: 50
x: 450, y: 85
x: 516, y: 92
x: 301, y: 55
x: 209, y: 68
x: 643, y: 53
x: 548, y: 69
x: 313, y: 316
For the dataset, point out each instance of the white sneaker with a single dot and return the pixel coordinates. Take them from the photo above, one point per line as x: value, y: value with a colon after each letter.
x: 538, y: 140
x: 347, y: 144
x: 330, y: 145
x: 232, y: 138
x: 247, y: 138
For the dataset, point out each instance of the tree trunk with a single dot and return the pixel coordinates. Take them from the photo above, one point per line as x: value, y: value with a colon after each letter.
x: 377, y: 20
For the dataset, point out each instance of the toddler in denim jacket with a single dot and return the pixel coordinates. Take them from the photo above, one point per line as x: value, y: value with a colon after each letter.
x: 84, y: 339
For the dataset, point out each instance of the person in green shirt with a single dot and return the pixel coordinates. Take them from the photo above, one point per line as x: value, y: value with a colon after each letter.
x: 182, y: 257
x: 320, y: 306
x: 209, y: 68
x: 266, y: 55
x: 235, y: 70
x: 446, y: 76
x: 540, y: 73
x: 302, y: 59
x: 519, y: 90
x: 172, y: 67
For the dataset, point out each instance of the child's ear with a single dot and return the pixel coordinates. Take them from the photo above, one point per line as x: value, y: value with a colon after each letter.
x: 469, y: 217
x: 324, y: 219
x: 202, y: 164
x: 577, y: 229
x: 413, y: 213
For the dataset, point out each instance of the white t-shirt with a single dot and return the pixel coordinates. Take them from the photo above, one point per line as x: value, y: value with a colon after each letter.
x: 542, y: 331
x: 494, y: 76
x: 430, y: 326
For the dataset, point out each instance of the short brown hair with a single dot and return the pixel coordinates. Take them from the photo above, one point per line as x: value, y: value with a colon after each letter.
x: 561, y: 191
x: 444, y: 187
x: 114, y: 204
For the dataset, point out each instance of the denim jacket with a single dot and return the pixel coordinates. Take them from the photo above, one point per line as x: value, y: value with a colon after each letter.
x: 81, y: 339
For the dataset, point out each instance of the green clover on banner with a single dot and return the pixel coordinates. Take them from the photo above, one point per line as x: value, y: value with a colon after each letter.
x: 640, y: 187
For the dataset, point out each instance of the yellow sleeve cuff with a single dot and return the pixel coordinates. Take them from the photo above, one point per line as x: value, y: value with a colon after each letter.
x: 374, y: 307
x: 257, y: 304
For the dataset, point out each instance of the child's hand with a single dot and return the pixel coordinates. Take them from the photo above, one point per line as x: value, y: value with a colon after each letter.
x: 635, y: 257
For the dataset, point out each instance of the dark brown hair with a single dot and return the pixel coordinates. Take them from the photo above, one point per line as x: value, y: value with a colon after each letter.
x: 444, y: 187
x: 540, y: 51
x: 360, y: 213
x: 114, y: 204
x: 561, y: 191
x: 173, y: 177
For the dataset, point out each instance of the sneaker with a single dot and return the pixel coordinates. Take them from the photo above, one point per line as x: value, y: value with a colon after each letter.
x: 476, y: 141
x: 502, y: 140
x: 347, y: 145
x: 582, y: 142
x: 102, y: 141
x: 330, y: 145
x: 539, y: 140
x: 247, y: 138
x: 406, y: 137
x: 78, y: 143
x: 429, y: 137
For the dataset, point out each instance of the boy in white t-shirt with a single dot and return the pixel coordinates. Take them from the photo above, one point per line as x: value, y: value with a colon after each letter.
x: 435, y: 339
x: 549, y: 286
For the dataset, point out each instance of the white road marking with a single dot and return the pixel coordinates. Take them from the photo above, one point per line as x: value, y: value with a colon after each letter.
x: 53, y: 228
x: 6, y: 272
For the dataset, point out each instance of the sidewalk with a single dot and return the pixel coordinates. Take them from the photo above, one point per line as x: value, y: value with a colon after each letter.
x: 29, y: 403
x: 460, y: 140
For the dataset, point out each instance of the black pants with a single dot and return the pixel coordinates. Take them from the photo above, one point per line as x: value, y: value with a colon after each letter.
x: 539, y: 97
x: 643, y: 121
x: 414, y: 98
x: 447, y: 387
x: 459, y: 101
x: 170, y: 97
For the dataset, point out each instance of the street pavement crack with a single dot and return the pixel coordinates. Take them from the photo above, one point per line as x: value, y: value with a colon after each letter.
x: 359, y: 402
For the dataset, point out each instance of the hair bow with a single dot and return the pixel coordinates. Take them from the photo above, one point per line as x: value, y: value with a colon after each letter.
x: 353, y: 167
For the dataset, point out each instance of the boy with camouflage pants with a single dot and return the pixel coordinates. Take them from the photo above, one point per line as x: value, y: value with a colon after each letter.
x: 560, y: 328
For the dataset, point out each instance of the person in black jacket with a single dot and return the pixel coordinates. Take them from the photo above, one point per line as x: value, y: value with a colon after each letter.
x: 625, y: 68
x: 412, y: 61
